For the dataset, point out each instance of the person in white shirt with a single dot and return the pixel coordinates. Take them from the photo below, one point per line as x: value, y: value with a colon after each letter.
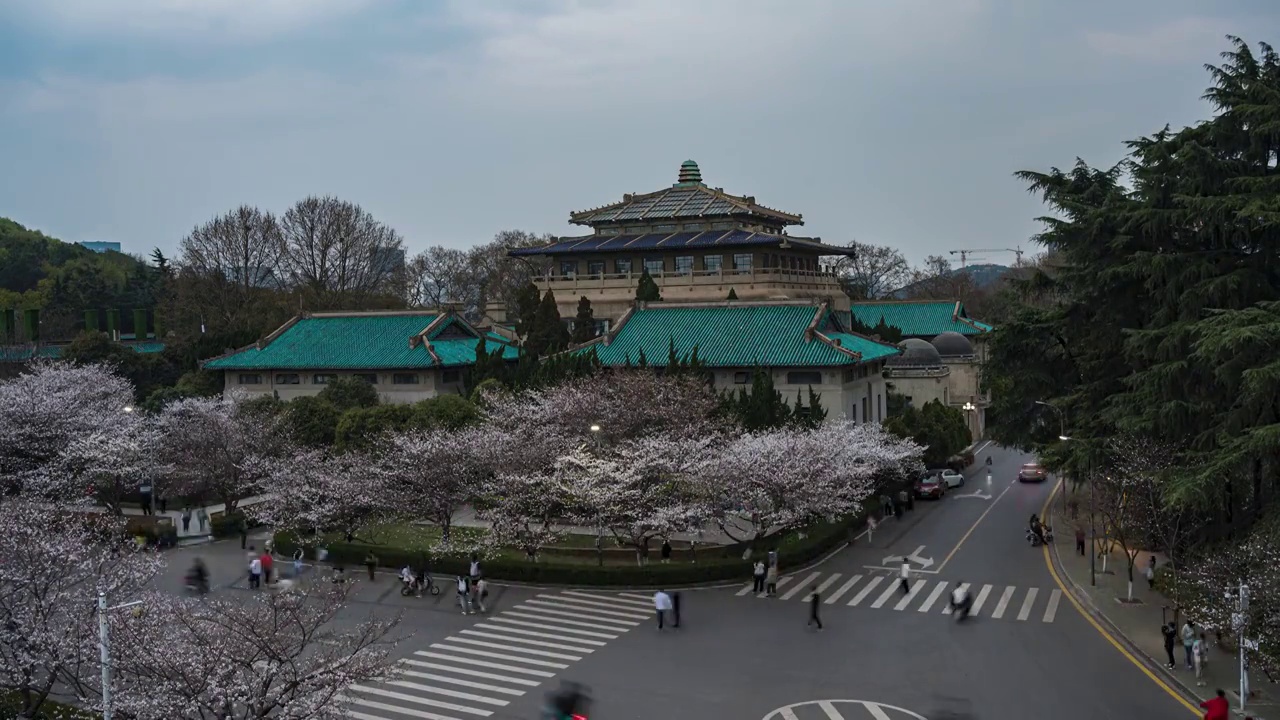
x: 464, y: 599
x: 255, y: 572
x: 904, y: 577
x: 960, y: 601
x: 478, y: 593
x: 757, y: 576
x: 662, y: 604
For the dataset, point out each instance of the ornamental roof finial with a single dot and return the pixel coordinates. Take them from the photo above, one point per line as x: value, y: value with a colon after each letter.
x: 689, y: 173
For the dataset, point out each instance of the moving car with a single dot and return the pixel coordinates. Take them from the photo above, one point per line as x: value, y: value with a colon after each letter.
x: 1032, y: 472
x: 930, y: 487
x: 951, y: 478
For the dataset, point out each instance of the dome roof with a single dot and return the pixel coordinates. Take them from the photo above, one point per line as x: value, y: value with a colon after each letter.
x: 953, y: 344
x: 915, y: 352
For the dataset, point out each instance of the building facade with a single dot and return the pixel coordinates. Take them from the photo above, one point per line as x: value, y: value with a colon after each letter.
x: 942, y: 354
x: 802, y: 344
x: 407, y: 355
x: 698, y: 243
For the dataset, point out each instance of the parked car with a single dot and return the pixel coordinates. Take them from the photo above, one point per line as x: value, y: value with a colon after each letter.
x: 930, y: 487
x: 1032, y: 472
x: 951, y: 478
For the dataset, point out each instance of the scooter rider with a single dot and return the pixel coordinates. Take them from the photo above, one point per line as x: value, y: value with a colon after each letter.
x: 198, y: 579
x: 1037, y: 529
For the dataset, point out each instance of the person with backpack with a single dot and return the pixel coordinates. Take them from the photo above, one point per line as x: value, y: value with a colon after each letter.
x: 480, y: 591
x: 464, y: 595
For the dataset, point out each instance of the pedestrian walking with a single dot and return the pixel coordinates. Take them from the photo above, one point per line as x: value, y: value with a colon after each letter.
x: 773, y: 558
x: 771, y: 581
x: 661, y: 605
x: 1189, y: 641
x: 675, y: 609
x: 904, y: 577
x: 1170, y: 633
x: 666, y: 551
x: 186, y: 520
x: 243, y: 526
x: 871, y: 528
x: 255, y: 573
x: 479, y: 591
x: 464, y: 595
x: 267, y: 562
x: 1080, y: 541
x: 757, y: 578
x: 1198, y: 655
x: 1217, y: 708
x: 1151, y: 573
x: 814, y: 599
x: 163, y: 500
x: 474, y: 570
x: 371, y: 564
x: 297, y: 562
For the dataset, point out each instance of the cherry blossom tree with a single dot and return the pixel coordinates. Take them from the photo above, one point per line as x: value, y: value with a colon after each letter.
x: 529, y: 510
x: 55, y: 561
x: 1213, y: 582
x: 214, y: 447
x: 432, y: 474
x: 791, y: 477
x: 271, y: 655
x: 316, y: 490
x: 109, y: 463
x: 47, y: 407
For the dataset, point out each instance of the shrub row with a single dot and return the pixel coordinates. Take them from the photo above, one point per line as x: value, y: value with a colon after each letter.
x: 11, y: 704
x: 714, y: 563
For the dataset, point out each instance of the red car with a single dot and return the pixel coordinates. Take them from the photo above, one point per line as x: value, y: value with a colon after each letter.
x: 1032, y: 472
x: 930, y: 488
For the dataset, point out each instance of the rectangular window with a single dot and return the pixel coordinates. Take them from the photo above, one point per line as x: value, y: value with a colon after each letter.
x: 879, y: 407
x: 712, y: 263
x: 659, y: 229
x: 804, y: 377
x: 684, y: 264
x: 722, y: 226
x: 741, y: 378
x: 288, y: 379
x: 319, y: 379
x: 742, y: 262
x: 450, y: 376
x: 404, y: 379
x: 595, y: 269
x: 622, y: 266
x: 694, y: 227
x: 250, y: 379
x: 371, y: 378
x: 653, y: 265
x: 602, y: 327
x: 568, y: 268
x: 864, y: 410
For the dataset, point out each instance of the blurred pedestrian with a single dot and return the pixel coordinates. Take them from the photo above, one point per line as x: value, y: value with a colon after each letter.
x: 255, y: 573
x: 675, y: 609
x: 479, y: 591
x: 661, y: 605
x: 267, y: 563
x: 1170, y: 633
x: 371, y: 563
x: 1188, y: 641
x: 771, y: 581
x: 814, y: 599
x: 297, y: 562
x: 464, y: 594
x: 666, y: 551
x: 904, y: 577
x: 1080, y: 541
x: 1151, y: 573
x: 757, y: 578
x: 1198, y: 655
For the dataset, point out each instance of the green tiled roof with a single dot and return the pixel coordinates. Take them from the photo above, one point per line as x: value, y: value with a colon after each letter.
x: 922, y: 319
x: 23, y: 353
x: 733, y: 336
x: 355, y: 342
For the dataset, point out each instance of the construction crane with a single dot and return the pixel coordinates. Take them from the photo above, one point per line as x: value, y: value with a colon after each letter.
x: 964, y: 254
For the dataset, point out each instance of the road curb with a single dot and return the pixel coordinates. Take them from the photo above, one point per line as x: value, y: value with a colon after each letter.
x: 1084, y: 600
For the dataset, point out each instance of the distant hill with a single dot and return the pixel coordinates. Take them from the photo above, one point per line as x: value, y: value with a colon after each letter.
x: 982, y: 276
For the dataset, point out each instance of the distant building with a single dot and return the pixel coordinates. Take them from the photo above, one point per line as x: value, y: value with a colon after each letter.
x: 697, y: 242
x: 408, y: 355
x: 101, y: 247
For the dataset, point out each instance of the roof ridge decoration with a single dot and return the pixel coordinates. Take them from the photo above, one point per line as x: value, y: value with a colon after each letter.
x: 263, y: 342
x: 615, y: 328
x: 421, y: 337
x: 667, y: 304
x: 837, y: 346
x: 375, y: 313
x: 811, y: 331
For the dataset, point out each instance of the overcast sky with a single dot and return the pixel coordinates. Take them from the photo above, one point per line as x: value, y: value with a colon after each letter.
x: 893, y: 122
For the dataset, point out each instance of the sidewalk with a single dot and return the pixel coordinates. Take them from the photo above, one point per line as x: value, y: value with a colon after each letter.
x: 1139, y: 622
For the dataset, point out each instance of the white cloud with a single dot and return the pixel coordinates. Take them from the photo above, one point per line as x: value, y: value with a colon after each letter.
x: 1188, y: 39
x: 225, y: 20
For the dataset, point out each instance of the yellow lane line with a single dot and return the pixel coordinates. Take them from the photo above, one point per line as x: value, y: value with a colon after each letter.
x: 1101, y: 630
x: 973, y: 527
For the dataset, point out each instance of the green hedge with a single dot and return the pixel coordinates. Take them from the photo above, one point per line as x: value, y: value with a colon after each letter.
x: 11, y: 703
x: 715, y: 563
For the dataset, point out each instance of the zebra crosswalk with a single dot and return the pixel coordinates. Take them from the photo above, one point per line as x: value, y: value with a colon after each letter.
x: 500, y: 659
x: 924, y: 595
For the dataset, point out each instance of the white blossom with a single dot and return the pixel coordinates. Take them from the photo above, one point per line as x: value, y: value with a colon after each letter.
x: 316, y: 490
x: 108, y: 464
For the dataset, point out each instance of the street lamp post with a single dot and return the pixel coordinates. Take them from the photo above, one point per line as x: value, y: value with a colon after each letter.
x: 595, y: 435
x: 968, y: 410
x: 1238, y: 620
x: 104, y: 646
x: 1062, y: 435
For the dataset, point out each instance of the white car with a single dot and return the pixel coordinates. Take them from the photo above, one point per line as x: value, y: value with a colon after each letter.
x: 951, y: 478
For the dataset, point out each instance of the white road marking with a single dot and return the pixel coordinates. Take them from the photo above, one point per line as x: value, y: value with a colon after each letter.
x: 830, y: 710
x: 474, y: 673
x: 866, y: 590
x: 420, y: 714
x: 459, y: 682
x: 1004, y: 602
x: 782, y: 581
x: 420, y: 700
x: 593, y: 608
x: 933, y: 596
x: 626, y: 602
x: 800, y: 586
x: 554, y: 616
x: 526, y: 641
x: 878, y: 712
x: 534, y: 633
x: 512, y: 648
x: 843, y: 589
x: 746, y: 590
x: 573, y: 611
x: 499, y: 656
x: 822, y: 587
x: 916, y: 587
x: 490, y: 665
x: 551, y: 626
x: 982, y: 598
x: 470, y: 697
x: 646, y: 598
x: 788, y: 715
x: 1025, y: 612
x: 884, y: 597
x: 1050, y: 612
x: 946, y: 610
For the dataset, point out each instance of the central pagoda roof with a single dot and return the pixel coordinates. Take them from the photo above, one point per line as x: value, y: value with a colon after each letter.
x: 688, y: 199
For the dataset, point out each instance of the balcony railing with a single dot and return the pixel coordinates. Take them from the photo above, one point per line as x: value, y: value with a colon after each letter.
x: 669, y: 278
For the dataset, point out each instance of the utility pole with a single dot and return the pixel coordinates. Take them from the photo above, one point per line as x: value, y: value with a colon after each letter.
x: 1238, y: 620
x: 104, y: 647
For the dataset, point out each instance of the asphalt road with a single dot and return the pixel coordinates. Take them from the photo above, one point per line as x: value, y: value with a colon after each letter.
x: 883, y: 655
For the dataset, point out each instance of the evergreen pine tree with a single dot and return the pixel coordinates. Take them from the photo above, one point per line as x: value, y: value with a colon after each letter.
x: 548, y: 334
x: 526, y: 309
x: 643, y: 361
x: 584, y: 323
x: 817, y: 413
x: 647, y: 290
